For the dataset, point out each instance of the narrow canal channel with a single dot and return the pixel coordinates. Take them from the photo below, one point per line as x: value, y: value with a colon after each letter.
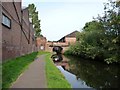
x: 88, y: 74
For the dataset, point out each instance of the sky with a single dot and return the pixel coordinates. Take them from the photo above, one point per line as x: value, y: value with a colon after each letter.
x: 61, y: 17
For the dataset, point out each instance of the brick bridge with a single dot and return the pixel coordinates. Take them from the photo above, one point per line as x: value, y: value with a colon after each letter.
x: 64, y: 42
x: 49, y: 46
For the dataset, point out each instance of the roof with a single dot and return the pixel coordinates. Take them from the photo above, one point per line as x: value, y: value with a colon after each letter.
x: 73, y: 34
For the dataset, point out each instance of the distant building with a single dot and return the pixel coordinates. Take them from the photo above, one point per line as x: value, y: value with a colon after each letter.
x: 41, y: 42
x: 48, y: 46
x: 69, y: 39
x: 64, y: 42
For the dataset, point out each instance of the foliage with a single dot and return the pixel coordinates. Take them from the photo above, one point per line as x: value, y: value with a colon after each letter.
x: 55, y: 78
x: 35, y: 21
x: 100, y: 38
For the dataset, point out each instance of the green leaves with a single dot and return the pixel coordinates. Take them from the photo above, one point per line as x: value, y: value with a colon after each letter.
x: 35, y: 20
x: 100, y: 38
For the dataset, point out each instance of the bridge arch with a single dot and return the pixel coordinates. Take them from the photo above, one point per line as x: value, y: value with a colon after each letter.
x: 50, y: 45
x: 57, y: 49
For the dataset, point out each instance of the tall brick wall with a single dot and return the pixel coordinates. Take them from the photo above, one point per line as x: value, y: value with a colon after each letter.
x: 19, y: 39
x: 32, y: 38
x: 11, y: 36
x: 26, y: 29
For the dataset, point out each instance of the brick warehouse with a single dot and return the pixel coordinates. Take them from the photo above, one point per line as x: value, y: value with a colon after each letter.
x: 17, y: 31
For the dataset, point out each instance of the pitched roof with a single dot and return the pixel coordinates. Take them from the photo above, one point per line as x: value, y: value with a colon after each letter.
x: 73, y: 34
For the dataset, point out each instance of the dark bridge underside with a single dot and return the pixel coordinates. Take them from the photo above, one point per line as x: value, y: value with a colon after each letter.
x: 57, y: 49
x: 60, y: 46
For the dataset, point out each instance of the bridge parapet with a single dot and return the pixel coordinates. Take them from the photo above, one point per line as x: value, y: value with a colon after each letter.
x: 49, y: 46
x: 62, y: 44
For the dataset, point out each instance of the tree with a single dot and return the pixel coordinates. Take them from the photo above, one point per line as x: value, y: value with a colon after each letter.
x: 100, y: 38
x: 35, y: 20
x: 111, y: 23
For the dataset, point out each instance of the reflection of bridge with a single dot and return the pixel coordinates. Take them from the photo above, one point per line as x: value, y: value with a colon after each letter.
x: 64, y: 63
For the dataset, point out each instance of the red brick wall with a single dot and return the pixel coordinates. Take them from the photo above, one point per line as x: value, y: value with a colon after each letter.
x: 48, y: 48
x: 70, y: 40
x: 26, y: 29
x: 32, y: 38
x: 11, y: 37
x: 28, y: 42
x: 17, y: 40
x: 41, y: 42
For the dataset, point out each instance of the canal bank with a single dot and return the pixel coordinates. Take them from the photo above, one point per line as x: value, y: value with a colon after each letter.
x: 39, y: 73
x: 55, y: 79
x: 82, y: 73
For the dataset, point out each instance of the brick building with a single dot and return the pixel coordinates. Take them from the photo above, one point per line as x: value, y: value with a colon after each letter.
x: 64, y: 42
x: 17, y: 31
x: 26, y: 37
x: 11, y: 29
x: 41, y: 43
x: 69, y: 39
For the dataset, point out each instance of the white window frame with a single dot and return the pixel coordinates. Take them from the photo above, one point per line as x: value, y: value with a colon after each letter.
x: 6, y: 21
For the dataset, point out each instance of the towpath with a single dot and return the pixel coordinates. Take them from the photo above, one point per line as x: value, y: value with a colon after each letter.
x: 34, y: 76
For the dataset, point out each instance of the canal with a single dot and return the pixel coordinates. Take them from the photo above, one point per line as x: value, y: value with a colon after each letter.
x: 82, y: 73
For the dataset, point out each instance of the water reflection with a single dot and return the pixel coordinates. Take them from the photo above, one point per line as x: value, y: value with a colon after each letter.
x: 57, y: 57
x: 72, y: 79
x: 86, y: 73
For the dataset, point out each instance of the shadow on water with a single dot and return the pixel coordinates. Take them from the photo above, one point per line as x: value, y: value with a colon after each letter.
x: 89, y: 74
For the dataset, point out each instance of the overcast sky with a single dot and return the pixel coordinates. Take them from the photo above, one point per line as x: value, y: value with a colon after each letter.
x: 61, y: 17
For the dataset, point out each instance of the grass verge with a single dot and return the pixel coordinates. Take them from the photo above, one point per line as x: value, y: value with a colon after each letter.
x: 55, y: 78
x: 11, y: 69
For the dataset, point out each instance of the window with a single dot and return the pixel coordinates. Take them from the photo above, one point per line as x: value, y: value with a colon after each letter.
x: 6, y: 21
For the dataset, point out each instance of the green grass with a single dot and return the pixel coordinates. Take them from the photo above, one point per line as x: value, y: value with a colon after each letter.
x: 42, y: 52
x: 55, y: 78
x: 11, y: 69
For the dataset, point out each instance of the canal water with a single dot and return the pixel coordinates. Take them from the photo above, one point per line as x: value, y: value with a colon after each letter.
x: 82, y: 73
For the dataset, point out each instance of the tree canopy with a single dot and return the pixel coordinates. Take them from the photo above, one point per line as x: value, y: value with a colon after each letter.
x: 35, y: 20
x: 100, y: 38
